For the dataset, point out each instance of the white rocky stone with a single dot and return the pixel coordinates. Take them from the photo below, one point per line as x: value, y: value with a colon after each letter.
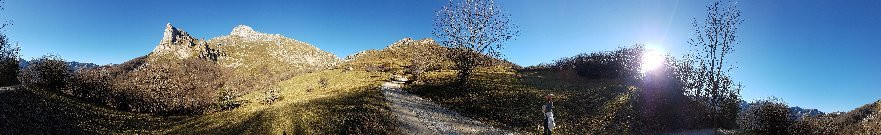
x: 175, y: 41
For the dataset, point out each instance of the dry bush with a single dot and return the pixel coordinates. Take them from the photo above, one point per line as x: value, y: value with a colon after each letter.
x: 385, y: 67
x: 185, y: 86
x: 622, y: 63
x: 91, y: 84
x: 814, y: 125
x: 767, y: 116
x: 236, y: 85
x: 663, y: 107
x: 47, y: 72
x: 862, y: 120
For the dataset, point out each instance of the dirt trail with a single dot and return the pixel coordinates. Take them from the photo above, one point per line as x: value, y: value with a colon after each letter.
x: 8, y: 88
x: 420, y: 116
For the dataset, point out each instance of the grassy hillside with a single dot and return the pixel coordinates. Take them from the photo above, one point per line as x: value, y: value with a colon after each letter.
x: 185, y: 75
x: 409, y: 56
x: 504, y: 100
x: 597, y: 93
x: 862, y: 120
x: 348, y: 102
x: 248, y: 52
x: 402, y: 55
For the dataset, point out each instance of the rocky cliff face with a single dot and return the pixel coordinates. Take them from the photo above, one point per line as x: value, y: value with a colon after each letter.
x: 175, y: 42
x: 235, y: 64
x: 178, y: 44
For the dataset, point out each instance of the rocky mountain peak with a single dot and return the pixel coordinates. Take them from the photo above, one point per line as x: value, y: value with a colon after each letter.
x: 242, y: 30
x: 247, y: 33
x: 244, y: 44
x: 171, y: 34
x: 175, y: 41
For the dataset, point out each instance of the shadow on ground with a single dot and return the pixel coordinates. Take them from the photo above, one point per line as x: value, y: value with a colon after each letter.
x: 40, y: 112
x: 504, y: 101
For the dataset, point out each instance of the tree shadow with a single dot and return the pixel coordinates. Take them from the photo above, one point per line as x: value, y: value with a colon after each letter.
x: 43, y: 112
x: 361, y: 111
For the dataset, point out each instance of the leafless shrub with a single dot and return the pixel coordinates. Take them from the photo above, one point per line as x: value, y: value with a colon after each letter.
x: 186, y: 86
x: 471, y: 29
x: 91, y: 84
x: 815, y: 125
x: 622, y: 63
x: 767, y: 116
x: 707, y: 75
x: 47, y: 72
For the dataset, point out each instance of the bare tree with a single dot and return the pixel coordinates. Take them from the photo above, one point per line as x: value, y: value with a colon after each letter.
x: 471, y: 28
x: 707, y: 75
x: 9, y: 58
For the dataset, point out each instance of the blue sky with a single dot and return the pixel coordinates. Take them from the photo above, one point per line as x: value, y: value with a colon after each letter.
x: 814, y: 54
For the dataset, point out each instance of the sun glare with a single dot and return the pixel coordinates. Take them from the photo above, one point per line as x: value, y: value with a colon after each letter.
x: 652, y: 58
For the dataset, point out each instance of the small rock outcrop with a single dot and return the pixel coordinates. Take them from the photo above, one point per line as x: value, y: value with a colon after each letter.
x: 409, y: 41
x: 246, y: 33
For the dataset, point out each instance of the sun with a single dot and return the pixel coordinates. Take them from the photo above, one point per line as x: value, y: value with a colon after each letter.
x: 652, y: 58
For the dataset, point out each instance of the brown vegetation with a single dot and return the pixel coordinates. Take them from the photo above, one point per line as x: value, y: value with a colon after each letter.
x: 9, y: 58
x: 768, y: 116
x: 189, y: 85
x: 47, y: 72
x: 404, y: 56
x: 658, y: 102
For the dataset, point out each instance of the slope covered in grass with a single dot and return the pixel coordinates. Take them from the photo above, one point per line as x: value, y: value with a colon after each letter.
x: 405, y: 53
x: 186, y: 75
x: 862, y: 120
x: 248, y: 52
x: 408, y: 56
x: 502, y: 99
x: 348, y: 102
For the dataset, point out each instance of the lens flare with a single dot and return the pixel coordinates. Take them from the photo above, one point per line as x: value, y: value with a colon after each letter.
x: 652, y: 58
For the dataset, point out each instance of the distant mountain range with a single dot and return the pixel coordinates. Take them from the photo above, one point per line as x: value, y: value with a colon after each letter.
x: 72, y: 66
x: 794, y: 112
x: 798, y: 112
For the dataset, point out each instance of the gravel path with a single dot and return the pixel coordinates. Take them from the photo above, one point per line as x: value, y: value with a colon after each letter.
x: 7, y: 88
x: 419, y: 116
